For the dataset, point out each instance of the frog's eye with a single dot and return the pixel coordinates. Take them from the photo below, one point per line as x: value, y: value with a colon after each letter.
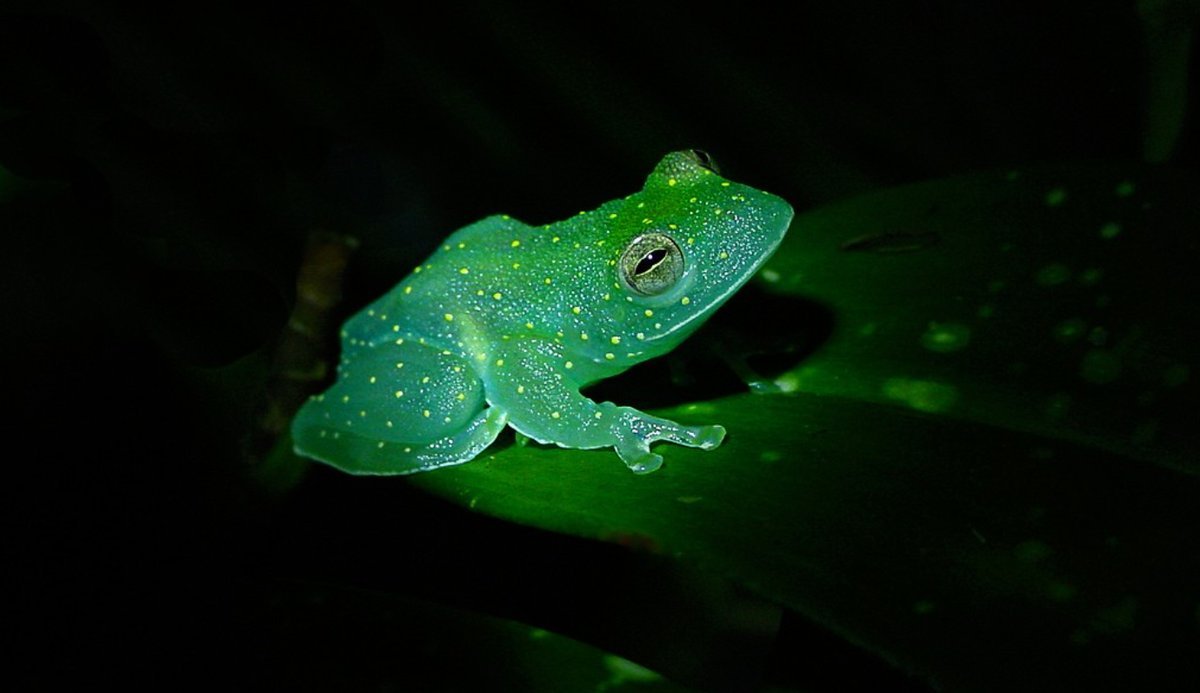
x: 704, y: 159
x: 651, y: 264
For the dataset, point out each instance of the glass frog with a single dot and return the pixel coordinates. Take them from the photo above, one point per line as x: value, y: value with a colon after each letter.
x: 506, y: 322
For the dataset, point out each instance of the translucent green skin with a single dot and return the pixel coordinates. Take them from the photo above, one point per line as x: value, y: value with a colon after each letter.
x: 506, y: 322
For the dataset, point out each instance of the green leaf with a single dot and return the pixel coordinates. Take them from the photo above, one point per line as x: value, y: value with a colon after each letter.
x: 1056, y: 301
x: 985, y: 472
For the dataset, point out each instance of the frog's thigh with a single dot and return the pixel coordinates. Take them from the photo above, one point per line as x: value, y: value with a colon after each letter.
x: 397, y: 409
x: 547, y: 407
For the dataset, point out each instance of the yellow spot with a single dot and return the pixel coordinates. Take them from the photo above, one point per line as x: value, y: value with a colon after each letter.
x: 395, y: 328
x: 641, y: 335
x: 649, y: 313
x: 724, y: 255
x: 425, y: 379
x: 458, y: 369
x: 408, y: 289
x: 389, y: 424
x: 497, y: 295
x: 499, y: 362
x: 725, y: 184
x: 529, y: 326
x: 425, y: 413
x: 515, y: 244
x: 516, y: 265
x: 647, y: 220
x: 505, y: 217
x: 692, y: 200
x: 685, y: 300
x: 399, y: 394
x: 615, y: 339
x: 463, y: 270
x: 691, y: 241
x: 556, y: 239
x: 372, y: 380
x: 577, y: 310
x: 673, y: 227
x: 547, y: 280
x: 460, y: 396
x: 671, y: 182
x: 449, y: 317
x: 598, y: 415
x: 520, y: 389
x: 479, y: 292
x: 607, y: 296
x: 568, y: 364
x: 399, y: 364
x: 445, y: 352
x: 417, y: 270
x: 583, y: 336
x: 345, y: 399
x: 407, y: 449
x: 612, y: 216
x: 610, y: 356
x: 555, y: 415
x: 362, y: 413
x: 558, y: 334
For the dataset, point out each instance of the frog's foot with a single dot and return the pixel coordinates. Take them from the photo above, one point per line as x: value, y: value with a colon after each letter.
x: 633, y: 441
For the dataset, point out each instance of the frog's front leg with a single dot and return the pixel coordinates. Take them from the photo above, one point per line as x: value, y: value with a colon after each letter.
x: 533, y: 382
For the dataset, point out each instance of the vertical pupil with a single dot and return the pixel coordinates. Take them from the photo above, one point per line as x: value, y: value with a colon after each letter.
x: 650, y: 261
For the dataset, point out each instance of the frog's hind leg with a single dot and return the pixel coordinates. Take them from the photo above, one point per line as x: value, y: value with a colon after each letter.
x: 397, y: 408
x: 358, y: 455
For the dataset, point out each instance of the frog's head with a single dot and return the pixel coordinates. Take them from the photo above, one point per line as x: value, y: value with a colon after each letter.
x: 700, y: 239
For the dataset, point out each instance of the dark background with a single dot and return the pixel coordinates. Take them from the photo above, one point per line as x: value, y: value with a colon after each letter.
x: 167, y: 166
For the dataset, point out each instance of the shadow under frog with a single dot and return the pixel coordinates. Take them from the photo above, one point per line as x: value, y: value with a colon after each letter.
x: 735, y: 351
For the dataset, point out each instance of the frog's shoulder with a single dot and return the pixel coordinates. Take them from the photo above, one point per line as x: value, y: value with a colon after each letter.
x: 488, y: 227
